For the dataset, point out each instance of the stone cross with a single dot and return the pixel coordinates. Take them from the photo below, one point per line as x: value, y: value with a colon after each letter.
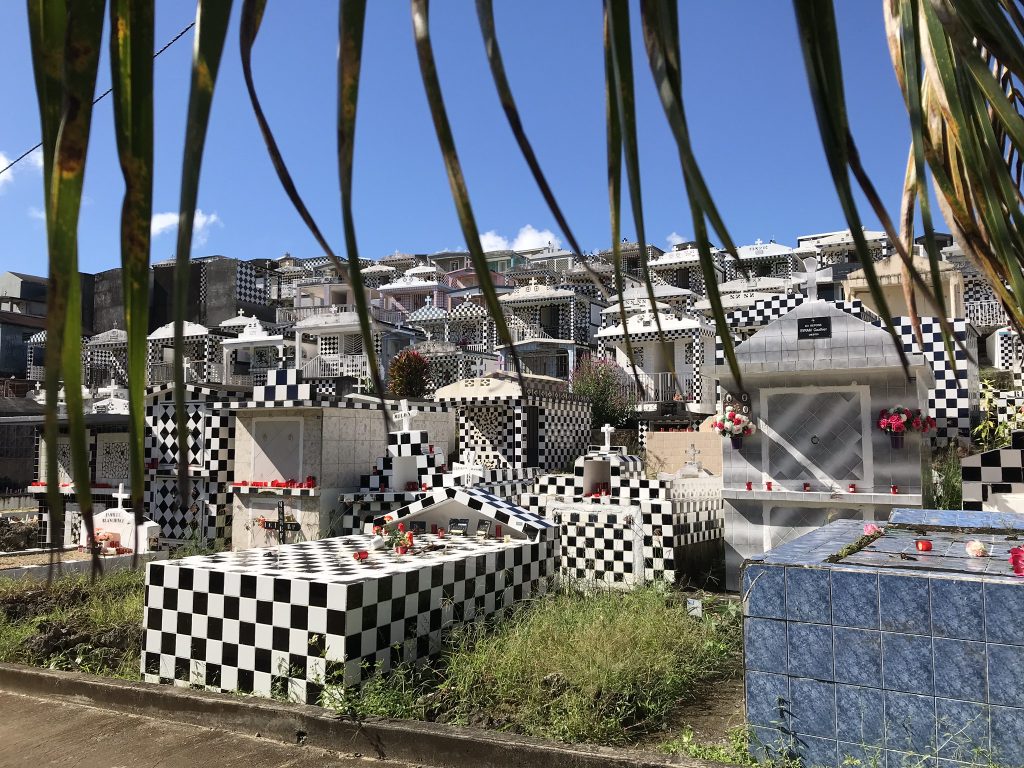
x: 405, y: 415
x: 467, y: 472
x: 608, y: 430
x: 693, y: 452
x: 428, y: 334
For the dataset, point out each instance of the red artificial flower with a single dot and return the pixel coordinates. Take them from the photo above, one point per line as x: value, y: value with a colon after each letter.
x: 1017, y: 560
x: 883, y: 423
x: 377, y: 529
x: 401, y: 527
x: 917, y: 423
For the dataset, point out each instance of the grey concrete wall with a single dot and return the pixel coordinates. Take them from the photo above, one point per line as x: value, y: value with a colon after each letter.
x: 108, y: 301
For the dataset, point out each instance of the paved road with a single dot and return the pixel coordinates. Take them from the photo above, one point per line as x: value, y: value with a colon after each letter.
x: 35, y: 734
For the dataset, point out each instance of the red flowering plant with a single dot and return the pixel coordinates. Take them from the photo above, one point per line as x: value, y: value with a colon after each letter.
x: 732, y: 424
x: 899, y: 420
x: 395, y: 535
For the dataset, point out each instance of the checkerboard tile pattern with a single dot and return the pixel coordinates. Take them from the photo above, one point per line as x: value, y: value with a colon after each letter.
x: 293, y: 619
x: 597, y: 548
x: 210, y: 443
x: 673, y: 535
x: 505, y: 513
x: 997, y: 471
x: 956, y: 392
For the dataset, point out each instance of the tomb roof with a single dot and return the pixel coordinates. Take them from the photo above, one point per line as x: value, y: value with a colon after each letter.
x: 189, y: 329
x: 839, y: 341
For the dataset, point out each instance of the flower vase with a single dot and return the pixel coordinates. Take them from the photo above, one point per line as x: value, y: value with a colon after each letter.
x: 896, y: 440
x: 737, y: 441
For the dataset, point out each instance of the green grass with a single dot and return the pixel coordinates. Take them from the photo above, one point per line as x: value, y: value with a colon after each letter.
x: 74, y: 623
x: 602, y: 667
x: 734, y: 751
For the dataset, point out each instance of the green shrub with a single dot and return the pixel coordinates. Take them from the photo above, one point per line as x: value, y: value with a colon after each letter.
x: 600, y: 667
x: 611, y: 392
x: 408, y: 374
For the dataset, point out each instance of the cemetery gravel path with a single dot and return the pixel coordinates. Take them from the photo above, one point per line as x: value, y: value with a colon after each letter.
x: 39, y: 733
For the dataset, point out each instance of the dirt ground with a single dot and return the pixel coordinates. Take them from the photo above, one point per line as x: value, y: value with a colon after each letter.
x: 713, y: 718
x: 38, y: 558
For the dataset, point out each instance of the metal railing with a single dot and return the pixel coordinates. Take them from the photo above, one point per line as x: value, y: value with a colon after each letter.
x: 660, y: 387
x: 984, y: 313
x: 331, y: 366
x: 195, y: 371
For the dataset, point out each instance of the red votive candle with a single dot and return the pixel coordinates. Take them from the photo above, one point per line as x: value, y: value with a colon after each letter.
x: 807, y: 486
x: 923, y: 545
x: 750, y: 486
x: 853, y: 488
x: 497, y: 531
x: 894, y: 489
x: 433, y: 528
x: 768, y: 485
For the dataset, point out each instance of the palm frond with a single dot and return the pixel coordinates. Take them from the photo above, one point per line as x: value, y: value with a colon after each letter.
x: 211, y: 30
x: 252, y: 17
x: 485, y: 13
x: 47, y: 30
x: 819, y: 42
x: 456, y: 180
x: 661, y: 38
x: 83, y: 32
x: 131, y: 64
x: 618, y: 36
x: 351, y: 21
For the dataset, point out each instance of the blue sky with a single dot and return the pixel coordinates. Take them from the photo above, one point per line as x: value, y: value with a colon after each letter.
x: 744, y: 84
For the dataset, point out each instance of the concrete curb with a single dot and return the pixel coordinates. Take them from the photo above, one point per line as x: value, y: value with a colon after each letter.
x: 429, y: 744
x: 78, y: 567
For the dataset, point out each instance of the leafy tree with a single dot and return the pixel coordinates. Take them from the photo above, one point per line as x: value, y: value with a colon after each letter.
x: 611, y: 393
x: 409, y: 374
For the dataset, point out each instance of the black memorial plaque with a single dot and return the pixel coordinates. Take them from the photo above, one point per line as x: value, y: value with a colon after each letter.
x: 814, y: 328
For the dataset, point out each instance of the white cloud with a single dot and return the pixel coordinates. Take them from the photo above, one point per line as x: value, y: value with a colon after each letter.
x: 35, y: 159
x: 528, y: 237
x: 492, y: 241
x: 674, y: 238
x: 8, y: 177
x: 37, y: 213
x: 162, y: 222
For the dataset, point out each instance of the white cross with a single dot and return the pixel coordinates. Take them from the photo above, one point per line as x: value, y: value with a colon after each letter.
x: 608, y: 430
x: 470, y: 468
x: 428, y: 334
x: 693, y: 453
x: 404, y: 415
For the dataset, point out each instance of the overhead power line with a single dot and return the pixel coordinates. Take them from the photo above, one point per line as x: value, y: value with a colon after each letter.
x: 103, y: 95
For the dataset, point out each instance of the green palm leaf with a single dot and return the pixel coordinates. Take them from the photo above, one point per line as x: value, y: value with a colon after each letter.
x: 485, y: 13
x: 661, y: 38
x: 80, y: 43
x: 456, y: 181
x: 211, y: 29
x: 131, y: 64
x: 47, y: 28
